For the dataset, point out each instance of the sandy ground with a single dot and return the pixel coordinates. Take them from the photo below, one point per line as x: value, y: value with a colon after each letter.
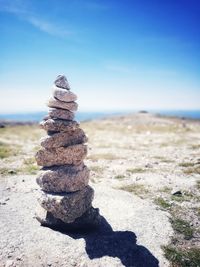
x: 133, y: 160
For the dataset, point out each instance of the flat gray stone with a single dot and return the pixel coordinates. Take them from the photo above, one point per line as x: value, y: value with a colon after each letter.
x: 64, y: 95
x: 57, y: 125
x: 62, y: 82
x: 66, y: 178
x: 64, y: 139
x: 55, y: 103
x: 58, y: 113
x: 61, y: 155
x: 68, y: 206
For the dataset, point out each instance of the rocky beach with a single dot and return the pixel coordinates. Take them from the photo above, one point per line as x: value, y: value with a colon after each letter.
x: 145, y: 170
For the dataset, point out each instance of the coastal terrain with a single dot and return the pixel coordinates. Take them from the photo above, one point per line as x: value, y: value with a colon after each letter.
x: 145, y: 170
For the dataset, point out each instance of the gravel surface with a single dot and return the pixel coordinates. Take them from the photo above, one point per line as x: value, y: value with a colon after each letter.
x: 131, y: 232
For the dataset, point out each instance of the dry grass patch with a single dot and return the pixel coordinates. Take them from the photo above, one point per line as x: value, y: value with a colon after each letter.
x: 186, y: 164
x: 29, y: 166
x: 198, y: 184
x: 190, y: 167
x: 163, y: 159
x: 96, y: 168
x: 136, y: 189
x: 159, y: 128
x: 22, y: 132
x: 167, y: 161
x: 165, y: 189
x: 120, y: 176
x: 135, y: 170
x: 7, y: 150
x: 8, y: 171
x: 195, y: 146
x: 103, y: 156
x: 192, y: 170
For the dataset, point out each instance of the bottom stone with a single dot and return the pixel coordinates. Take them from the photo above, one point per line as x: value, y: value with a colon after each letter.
x: 67, y: 206
x: 89, y: 220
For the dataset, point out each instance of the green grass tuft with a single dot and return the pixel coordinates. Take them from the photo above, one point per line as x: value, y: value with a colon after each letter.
x: 120, y: 176
x: 186, y: 164
x: 186, y: 196
x: 6, y: 151
x: 30, y: 169
x: 198, y: 184
x: 103, y: 156
x: 6, y: 171
x: 182, y: 227
x: 165, y: 189
x: 182, y: 257
x: 29, y: 166
x: 161, y: 202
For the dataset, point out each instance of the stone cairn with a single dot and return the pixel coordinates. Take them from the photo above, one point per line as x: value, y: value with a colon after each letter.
x: 66, y: 198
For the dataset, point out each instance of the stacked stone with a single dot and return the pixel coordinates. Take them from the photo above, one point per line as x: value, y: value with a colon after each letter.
x: 66, y: 196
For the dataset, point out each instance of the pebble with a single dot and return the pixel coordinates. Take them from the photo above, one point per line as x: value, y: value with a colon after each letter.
x: 59, y: 125
x: 176, y: 192
x: 64, y: 139
x: 65, y: 178
x: 64, y: 95
x: 68, y: 206
x: 58, y: 113
x: 61, y: 81
x: 55, y: 103
x: 61, y: 155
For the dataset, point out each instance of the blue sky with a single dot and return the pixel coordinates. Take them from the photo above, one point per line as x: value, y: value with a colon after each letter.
x: 117, y: 55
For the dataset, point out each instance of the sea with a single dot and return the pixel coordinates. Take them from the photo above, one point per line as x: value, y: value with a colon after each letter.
x: 85, y: 116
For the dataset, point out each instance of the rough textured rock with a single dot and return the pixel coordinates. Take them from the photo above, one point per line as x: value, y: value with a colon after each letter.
x: 61, y: 155
x: 61, y: 81
x: 55, y: 103
x: 66, y: 178
x: 68, y: 206
x: 64, y: 95
x: 90, y: 219
x: 64, y: 139
x: 58, y: 125
x: 58, y: 113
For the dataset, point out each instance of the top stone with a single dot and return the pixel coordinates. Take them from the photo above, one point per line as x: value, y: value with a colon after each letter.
x: 61, y: 82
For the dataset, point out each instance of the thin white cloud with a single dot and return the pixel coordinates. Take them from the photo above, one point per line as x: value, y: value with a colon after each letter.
x: 21, y: 9
x: 47, y: 27
x: 15, y: 6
